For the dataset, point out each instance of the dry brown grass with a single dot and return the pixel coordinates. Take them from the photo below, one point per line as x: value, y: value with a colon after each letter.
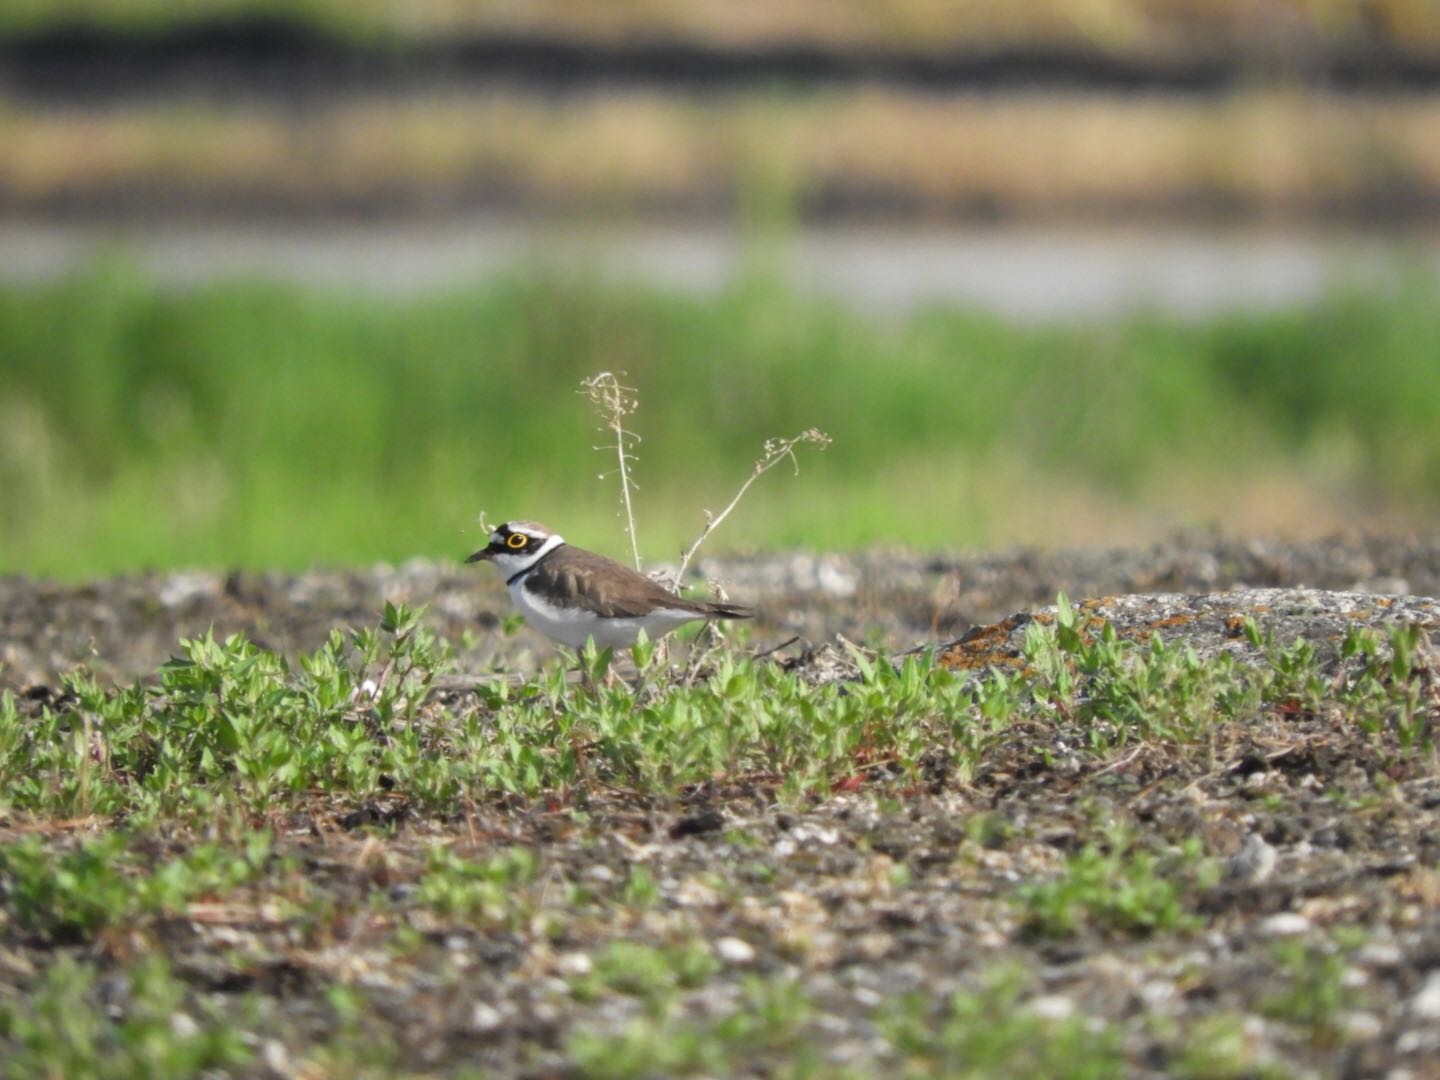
x: 1122, y: 25
x: 1265, y: 151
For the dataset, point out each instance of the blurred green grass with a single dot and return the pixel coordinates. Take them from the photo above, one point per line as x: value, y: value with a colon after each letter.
x: 266, y: 425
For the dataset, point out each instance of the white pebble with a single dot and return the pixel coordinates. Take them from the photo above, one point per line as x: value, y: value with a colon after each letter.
x: 574, y: 963
x: 276, y: 1057
x: 485, y: 1017
x: 1285, y: 924
x: 1380, y: 954
x: 184, y: 1025
x: 733, y: 950
x: 1361, y: 1025
x: 1426, y: 1004
x: 1052, y: 1007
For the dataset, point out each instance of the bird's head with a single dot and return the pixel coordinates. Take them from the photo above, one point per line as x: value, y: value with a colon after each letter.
x: 517, y: 545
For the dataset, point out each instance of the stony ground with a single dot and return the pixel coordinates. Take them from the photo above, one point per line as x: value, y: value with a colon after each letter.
x: 1300, y: 934
x: 124, y: 627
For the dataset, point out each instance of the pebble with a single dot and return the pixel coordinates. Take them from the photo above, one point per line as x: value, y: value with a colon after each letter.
x: 734, y: 950
x: 1158, y: 993
x: 1052, y: 1007
x: 811, y: 833
x: 184, y: 1025
x: 485, y: 1017
x: 574, y: 963
x: 276, y: 1057
x: 1285, y: 924
x: 1361, y: 1025
x: 867, y: 998
x: 1426, y: 1004
x: 179, y: 589
x: 1253, y: 863
x: 1380, y: 954
x: 1353, y: 978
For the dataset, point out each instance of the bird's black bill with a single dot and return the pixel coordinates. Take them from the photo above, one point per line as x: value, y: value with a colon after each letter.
x: 480, y: 556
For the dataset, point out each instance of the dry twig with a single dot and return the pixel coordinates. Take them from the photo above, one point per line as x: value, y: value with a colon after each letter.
x: 776, y: 451
x: 614, y: 402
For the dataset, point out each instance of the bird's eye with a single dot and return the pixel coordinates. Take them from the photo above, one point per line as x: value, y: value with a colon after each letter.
x: 517, y: 540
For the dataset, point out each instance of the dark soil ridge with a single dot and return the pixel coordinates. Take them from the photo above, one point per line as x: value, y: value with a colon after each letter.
x: 123, y: 628
x: 1387, y: 205
x: 226, y: 58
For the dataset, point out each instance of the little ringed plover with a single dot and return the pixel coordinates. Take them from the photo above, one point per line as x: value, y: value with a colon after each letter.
x: 570, y: 594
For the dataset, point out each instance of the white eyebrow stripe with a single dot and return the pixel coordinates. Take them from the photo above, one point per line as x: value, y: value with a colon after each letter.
x: 552, y: 541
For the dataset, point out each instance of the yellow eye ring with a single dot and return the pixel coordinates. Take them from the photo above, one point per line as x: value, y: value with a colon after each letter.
x: 517, y: 540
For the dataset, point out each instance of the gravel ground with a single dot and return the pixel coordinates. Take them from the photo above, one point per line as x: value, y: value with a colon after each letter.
x: 1316, y: 952
x: 124, y: 627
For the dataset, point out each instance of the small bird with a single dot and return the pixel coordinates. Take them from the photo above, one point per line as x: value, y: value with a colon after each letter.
x: 571, y: 595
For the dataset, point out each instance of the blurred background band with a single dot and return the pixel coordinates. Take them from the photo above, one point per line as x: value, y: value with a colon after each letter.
x: 1094, y: 271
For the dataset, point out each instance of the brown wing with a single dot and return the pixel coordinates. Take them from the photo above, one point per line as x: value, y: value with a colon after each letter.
x: 612, y: 590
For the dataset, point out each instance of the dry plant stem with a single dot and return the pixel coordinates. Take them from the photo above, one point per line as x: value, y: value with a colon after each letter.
x: 615, y: 401
x: 776, y: 451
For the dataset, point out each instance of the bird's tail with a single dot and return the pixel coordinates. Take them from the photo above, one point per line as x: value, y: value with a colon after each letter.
x: 717, y: 610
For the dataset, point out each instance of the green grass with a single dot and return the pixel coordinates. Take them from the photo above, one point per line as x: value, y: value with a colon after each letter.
x: 1131, y: 892
x: 228, y: 730
x: 276, y: 426
x: 145, y: 815
x: 989, y: 1032
x: 64, y: 1029
x: 231, y: 729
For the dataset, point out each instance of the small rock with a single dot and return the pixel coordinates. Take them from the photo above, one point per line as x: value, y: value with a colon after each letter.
x: 873, y: 947
x: 179, y: 589
x: 734, y: 950
x: 1380, y: 954
x: 1410, y: 1042
x: 1426, y: 1004
x: 692, y: 892
x: 276, y: 1057
x: 485, y: 1017
x: 1253, y: 863
x: 1353, y: 978
x: 1158, y: 993
x: 809, y: 833
x: 867, y: 998
x: 835, y: 579
x: 574, y: 963
x: 184, y: 1025
x: 1052, y: 1007
x: 1361, y: 1025
x: 1284, y: 924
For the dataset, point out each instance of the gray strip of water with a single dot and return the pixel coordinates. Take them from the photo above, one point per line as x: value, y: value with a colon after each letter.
x: 1026, y: 273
